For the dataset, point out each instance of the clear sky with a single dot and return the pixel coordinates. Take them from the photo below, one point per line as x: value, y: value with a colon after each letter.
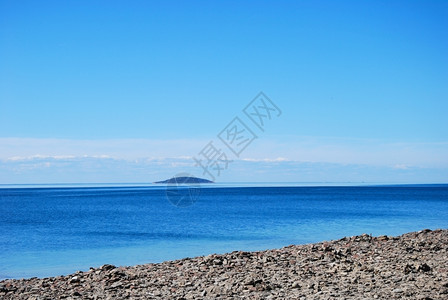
x: 98, y: 91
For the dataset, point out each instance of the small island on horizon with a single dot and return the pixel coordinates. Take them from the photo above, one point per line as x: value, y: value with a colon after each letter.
x: 185, y: 179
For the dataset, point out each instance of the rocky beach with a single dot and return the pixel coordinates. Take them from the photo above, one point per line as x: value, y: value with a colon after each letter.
x: 410, y: 266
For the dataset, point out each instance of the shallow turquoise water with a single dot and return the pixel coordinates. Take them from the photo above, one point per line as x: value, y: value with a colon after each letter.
x: 55, y: 231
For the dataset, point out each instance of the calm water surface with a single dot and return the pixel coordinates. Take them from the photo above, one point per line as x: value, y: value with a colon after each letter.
x: 55, y: 231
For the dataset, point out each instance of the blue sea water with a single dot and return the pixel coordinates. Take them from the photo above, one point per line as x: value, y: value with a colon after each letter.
x: 59, y: 230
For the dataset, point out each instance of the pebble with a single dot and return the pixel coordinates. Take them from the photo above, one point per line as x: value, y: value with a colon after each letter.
x: 411, y: 266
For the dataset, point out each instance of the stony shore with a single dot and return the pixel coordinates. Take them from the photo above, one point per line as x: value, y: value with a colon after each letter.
x: 411, y: 266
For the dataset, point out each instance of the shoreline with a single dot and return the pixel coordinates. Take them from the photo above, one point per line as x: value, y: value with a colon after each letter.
x: 413, y: 265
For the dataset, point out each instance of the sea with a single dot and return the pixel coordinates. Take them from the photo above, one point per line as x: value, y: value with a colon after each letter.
x: 56, y: 230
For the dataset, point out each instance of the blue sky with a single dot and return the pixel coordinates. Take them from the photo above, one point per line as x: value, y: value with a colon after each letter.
x: 138, y: 88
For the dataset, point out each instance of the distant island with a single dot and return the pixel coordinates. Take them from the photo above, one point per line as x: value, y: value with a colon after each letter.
x: 185, y: 180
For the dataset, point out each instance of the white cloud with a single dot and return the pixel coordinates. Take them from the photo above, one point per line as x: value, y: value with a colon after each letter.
x: 351, y: 151
x: 291, y: 159
x: 278, y: 159
x: 310, y: 149
x: 402, y: 167
x: 11, y: 148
